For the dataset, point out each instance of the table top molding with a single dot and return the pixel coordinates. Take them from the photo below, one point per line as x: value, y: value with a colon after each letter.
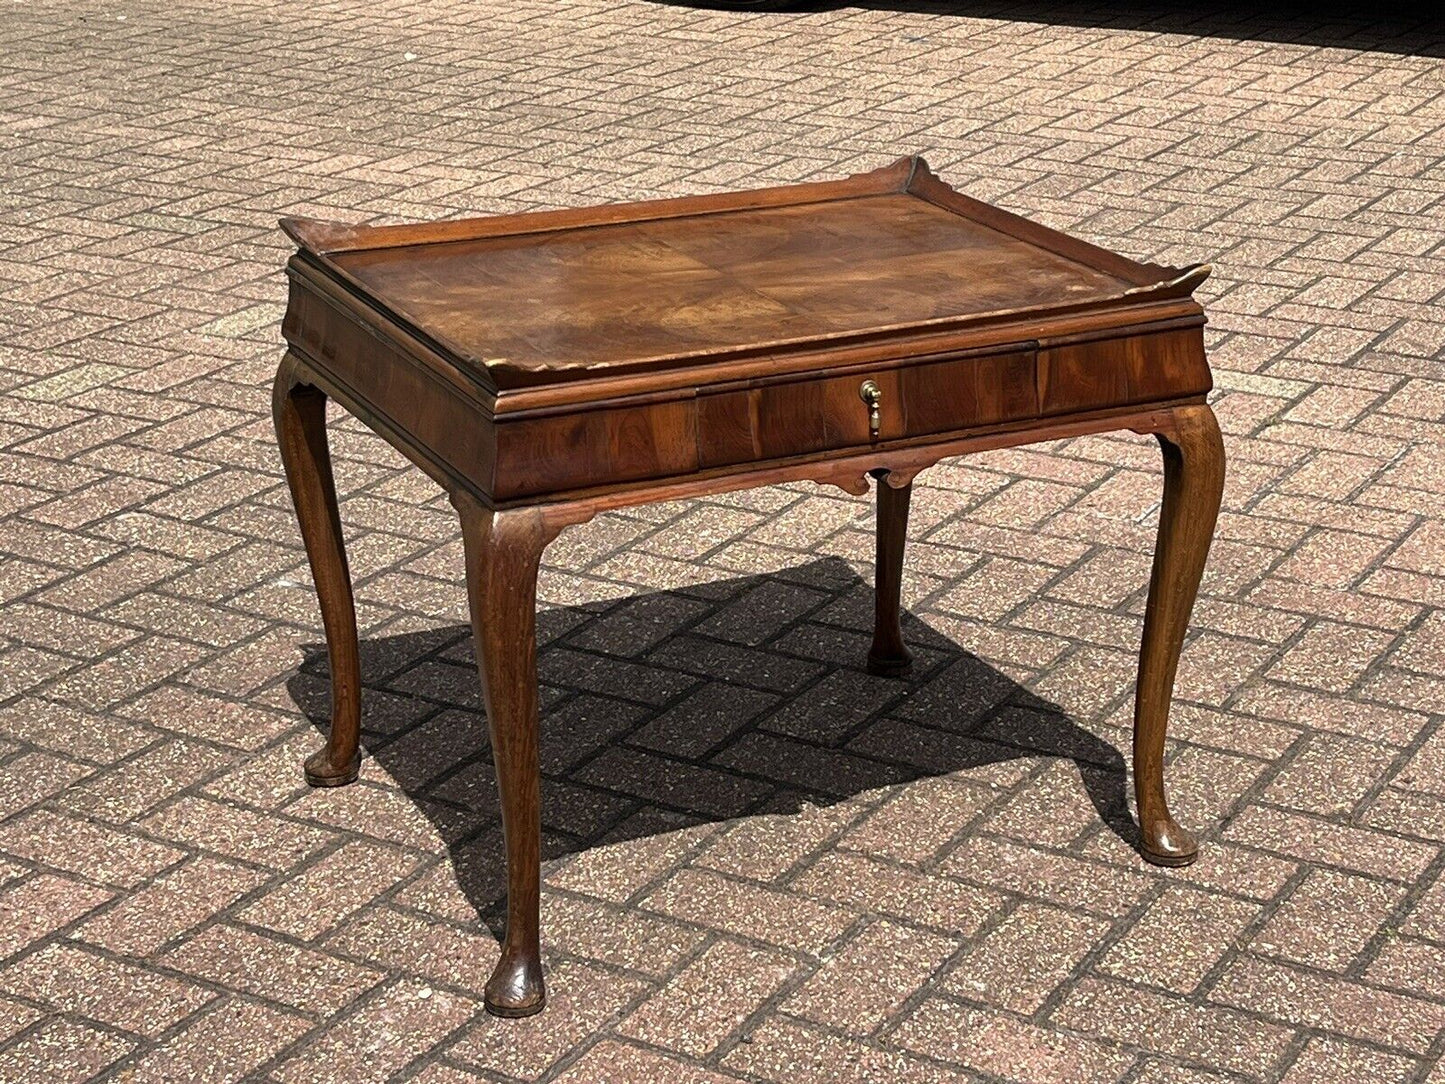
x: 1147, y: 310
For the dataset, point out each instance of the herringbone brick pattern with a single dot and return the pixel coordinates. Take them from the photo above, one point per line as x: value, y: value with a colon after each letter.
x: 762, y: 864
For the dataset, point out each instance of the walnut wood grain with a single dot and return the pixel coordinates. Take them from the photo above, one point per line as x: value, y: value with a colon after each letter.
x: 300, y: 415
x: 503, y: 550
x: 1193, y: 484
x: 889, y: 655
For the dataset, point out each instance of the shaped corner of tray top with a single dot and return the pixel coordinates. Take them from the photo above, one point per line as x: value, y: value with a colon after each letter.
x: 319, y: 235
x: 1175, y: 281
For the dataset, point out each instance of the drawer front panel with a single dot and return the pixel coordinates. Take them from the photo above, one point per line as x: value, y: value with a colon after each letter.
x: 774, y: 421
x: 573, y: 451
x: 1124, y: 371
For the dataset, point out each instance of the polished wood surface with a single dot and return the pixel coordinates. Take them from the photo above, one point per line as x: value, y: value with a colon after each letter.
x: 300, y: 414
x: 547, y: 367
x: 573, y: 301
x: 1193, y: 484
x: 889, y: 655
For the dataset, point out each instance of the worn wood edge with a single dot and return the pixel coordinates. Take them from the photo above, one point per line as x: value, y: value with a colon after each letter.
x: 320, y: 235
x: 326, y: 238
x: 350, y: 295
x: 1182, y: 284
x: 1115, y: 311
x: 397, y: 334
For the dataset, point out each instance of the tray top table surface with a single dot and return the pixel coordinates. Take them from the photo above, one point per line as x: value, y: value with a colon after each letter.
x: 521, y: 300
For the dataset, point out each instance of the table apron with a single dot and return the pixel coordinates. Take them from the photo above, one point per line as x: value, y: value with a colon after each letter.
x: 1024, y: 389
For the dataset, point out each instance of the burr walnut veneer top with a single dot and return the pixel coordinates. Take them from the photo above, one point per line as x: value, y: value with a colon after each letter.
x: 523, y: 300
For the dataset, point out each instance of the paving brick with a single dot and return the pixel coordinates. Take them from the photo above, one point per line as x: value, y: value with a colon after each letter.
x: 439, y: 1073
x: 709, y: 999
x: 132, y: 788
x: 1327, y: 843
x: 1179, y: 939
x: 1046, y: 876
x: 1056, y: 809
x: 764, y: 847
x: 781, y: 918
x: 1416, y: 967
x: 319, y: 897
x: 1323, y: 711
x: 789, y: 1052
x: 1155, y: 1071
x: 62, y: 1051
x: 266, y: 967
x: 1328, y: 920
x: 997, y: 1043
x: 1426, y: 917
x: 1218, y: 1037
x: 34, y: 776
x: 226, y: 1043
x: 865, y: 884
x: 169, y: 906
x: 1330, y: 775
x: 1306, y: 999
x: 1334, y: 1061
x: 1330, y: 656
x: 123, y: 995
x: 1025, y: 957
x: 859, y: 988
x: 236, y: 832
x: 395, y: 1026
x: 90, y: 850
x: 33, y: 908
x: 397, y: 940
x: 918, y: 820
x: 1332, y: 558
x: 619, y: 937
x: 611, y: 1062
x: 616, y: 873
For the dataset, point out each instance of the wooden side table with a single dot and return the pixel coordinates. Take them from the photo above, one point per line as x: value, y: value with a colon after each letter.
x: 546, y: 367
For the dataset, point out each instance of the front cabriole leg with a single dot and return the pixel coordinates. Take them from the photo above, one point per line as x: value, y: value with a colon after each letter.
x: 503, y: 549
x: 1193, y: 485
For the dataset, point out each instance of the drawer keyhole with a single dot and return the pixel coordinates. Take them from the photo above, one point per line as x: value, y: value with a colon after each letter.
x: 871, y: 394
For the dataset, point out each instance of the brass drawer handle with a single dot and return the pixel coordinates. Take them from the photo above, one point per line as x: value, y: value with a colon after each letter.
x: 871, y: 394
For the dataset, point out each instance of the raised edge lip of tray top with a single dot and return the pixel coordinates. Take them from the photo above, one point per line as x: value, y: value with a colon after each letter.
x: 557, y: 296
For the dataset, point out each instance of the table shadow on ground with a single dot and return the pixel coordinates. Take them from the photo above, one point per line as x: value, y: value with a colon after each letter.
x: 708, y: 703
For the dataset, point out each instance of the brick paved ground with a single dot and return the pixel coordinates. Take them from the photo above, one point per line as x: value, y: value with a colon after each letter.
x: 762, y: 863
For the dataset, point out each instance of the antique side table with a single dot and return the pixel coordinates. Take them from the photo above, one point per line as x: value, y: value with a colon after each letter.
x: 545, y: 367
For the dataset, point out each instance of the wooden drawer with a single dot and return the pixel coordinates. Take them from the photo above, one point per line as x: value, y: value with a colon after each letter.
x: 937, y: 395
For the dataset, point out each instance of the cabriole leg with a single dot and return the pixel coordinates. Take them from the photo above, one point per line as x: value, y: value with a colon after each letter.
x: 1193, y: 484
x: 503, y: 550
x: 300, y: 414
x: 889, y: 656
